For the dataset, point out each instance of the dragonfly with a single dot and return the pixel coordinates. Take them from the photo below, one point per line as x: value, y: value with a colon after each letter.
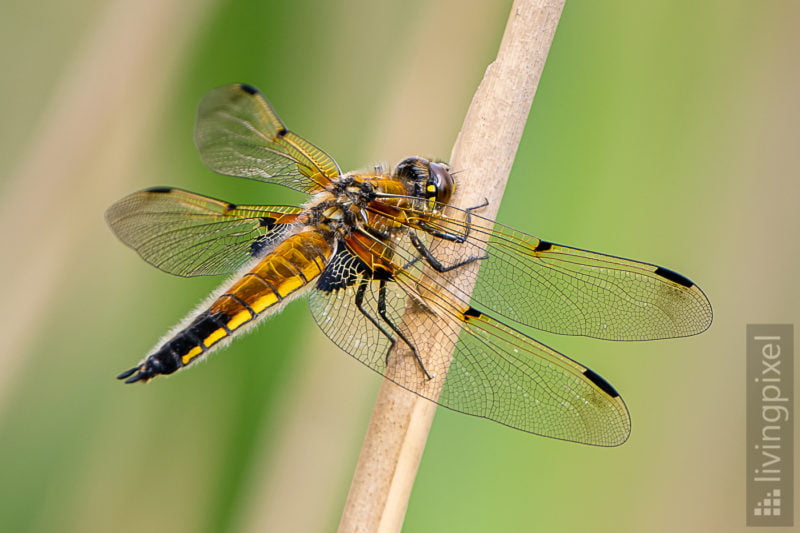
x: 430, y: 295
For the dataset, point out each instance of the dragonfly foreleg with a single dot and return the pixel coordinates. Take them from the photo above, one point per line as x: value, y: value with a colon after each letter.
x: 454, y: 237
x: 435, y: 263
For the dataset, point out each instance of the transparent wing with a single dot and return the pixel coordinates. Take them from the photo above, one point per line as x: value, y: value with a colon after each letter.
x: 239, y: 134
x: 187, y: 234
x: 496, y: 372
x: 560, y: 289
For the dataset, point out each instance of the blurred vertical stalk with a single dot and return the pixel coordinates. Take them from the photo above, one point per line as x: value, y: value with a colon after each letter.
x: 125, y: 64
x: 486, y: 146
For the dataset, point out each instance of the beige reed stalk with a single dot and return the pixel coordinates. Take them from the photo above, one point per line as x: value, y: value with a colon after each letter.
x: 483, y: 155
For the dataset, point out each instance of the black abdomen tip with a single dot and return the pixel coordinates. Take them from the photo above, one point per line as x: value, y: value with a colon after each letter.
x: 128, y: 373
x: 141, y: 373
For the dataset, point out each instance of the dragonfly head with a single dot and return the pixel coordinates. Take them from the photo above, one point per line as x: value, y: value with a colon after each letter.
x: 426, y: 180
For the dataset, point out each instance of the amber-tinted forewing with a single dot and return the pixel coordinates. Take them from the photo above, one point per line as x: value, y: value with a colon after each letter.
x: 560, y: 289
x: 239, y: 134
x: 187, y: 234
x: 496, y: 372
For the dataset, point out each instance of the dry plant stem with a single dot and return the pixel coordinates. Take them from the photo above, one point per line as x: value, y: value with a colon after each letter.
x: 483, y: 155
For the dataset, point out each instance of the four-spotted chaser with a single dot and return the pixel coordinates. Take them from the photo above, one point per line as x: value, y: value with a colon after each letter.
x: 375, y: 248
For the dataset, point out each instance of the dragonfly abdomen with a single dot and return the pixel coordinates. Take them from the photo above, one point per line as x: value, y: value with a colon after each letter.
x: 274, y: 280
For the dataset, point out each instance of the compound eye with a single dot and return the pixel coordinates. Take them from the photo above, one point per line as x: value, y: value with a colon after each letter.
x: 441, y: 184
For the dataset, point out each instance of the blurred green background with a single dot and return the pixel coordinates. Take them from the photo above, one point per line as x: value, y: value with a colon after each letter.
x: 662, y: 131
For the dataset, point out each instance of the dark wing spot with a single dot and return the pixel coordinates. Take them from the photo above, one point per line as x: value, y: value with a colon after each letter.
x: 249, y: 89
x: 260, y: 242
x: 673, y: 276
x: 472, y: 313
x: 281, y: 132
x: 382, y: 274
x: 258, y: 245
x: 604, y: 385
x: 160, y: 190
x: 330, y: 280
x: 543, y: 246
x: 343, y: 271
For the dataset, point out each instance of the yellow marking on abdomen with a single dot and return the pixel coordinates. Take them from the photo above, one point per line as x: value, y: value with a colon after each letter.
x: 191, y: 354
x: 311, y: 270
x: 214, y: 337
x: 290, y: 285
x: 238, y: 319
x: 264, y: 302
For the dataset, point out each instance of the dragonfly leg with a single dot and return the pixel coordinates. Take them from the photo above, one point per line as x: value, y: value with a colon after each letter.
x: 453, y: 236
x: 435, y: 263
x: 382, y: 313
x: 359, y: 301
